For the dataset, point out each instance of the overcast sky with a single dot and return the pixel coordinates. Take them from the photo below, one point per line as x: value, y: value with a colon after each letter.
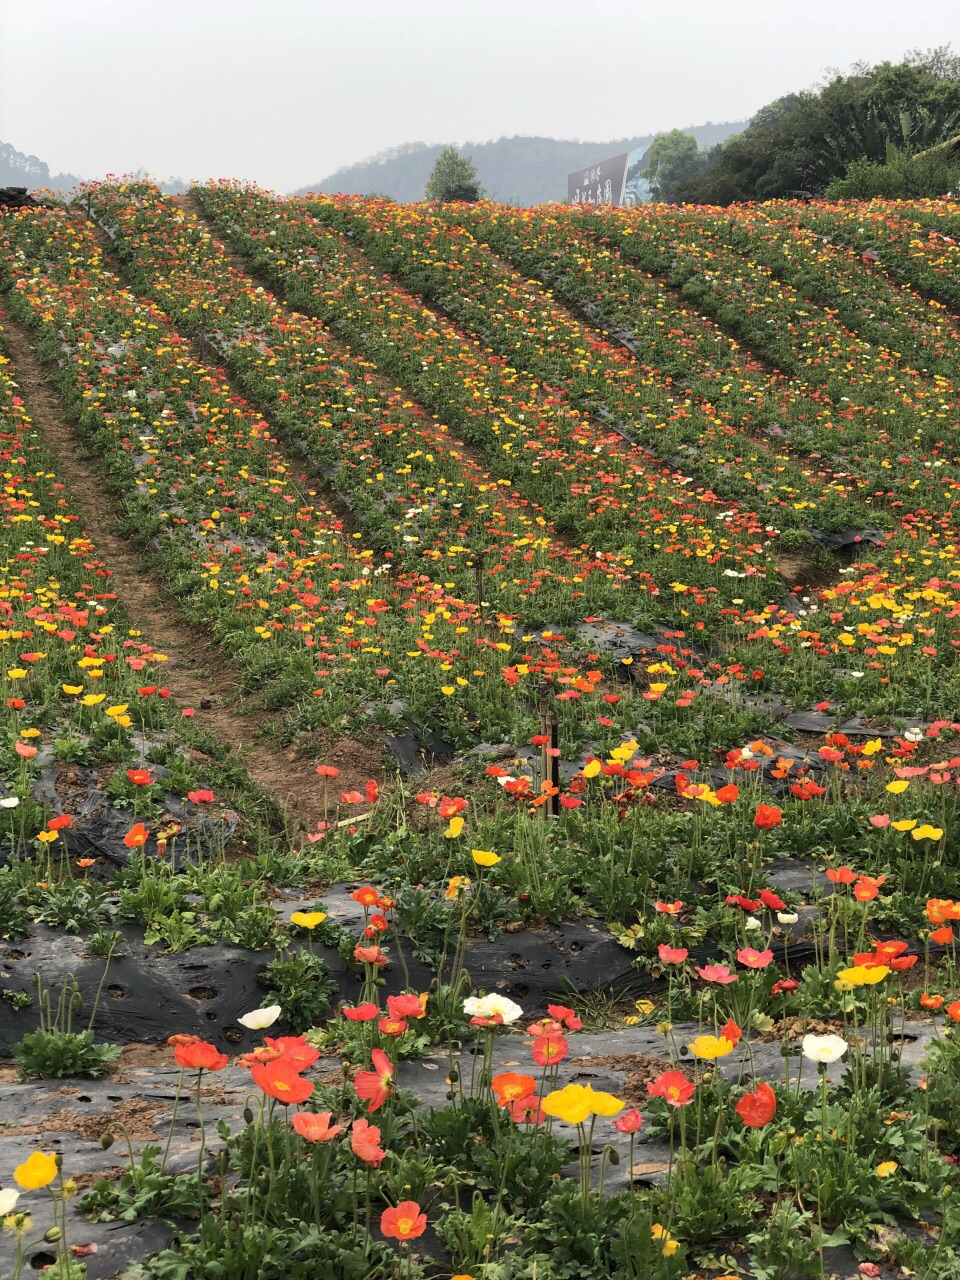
x: 284, y: 91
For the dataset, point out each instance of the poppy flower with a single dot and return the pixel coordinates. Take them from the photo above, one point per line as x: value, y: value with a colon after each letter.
x: 527, y: 1111
x: 295, y: 1051
x: 730, y: 1031
x: 784, y: 987
x: 931, y: 1002
x: 672, y: 955
x: 362, y: 1013
x: 841, y: 875
x: 136, y: 837
x: 719, y: 973
x: 772, y: 901
x: 366, y: 895
x: 140, y: 777
x: 668, y: 908
x: 511, y: 1087
x: 405, y: 1222
x: 767, y: 816
x: 549, y: 1049
x: 758, y: 1108
x: 953, y: 1010
x: 315, y: 1126
x: 308, y: 919
x: 629, y: 1122
x: 280, y: 1079
x: 942, y: 936
x: 365, y: 1143
x: 38, y: 1170
x: 260, y: 1019
x: 868, y: 887
x: 567, y: 1016
x: 405, y: 1006
x: 327, y: 771
x: 576, y: 1102
x: 673, y: 1087
x: 754, y: 959
x: 201, y: 797
x: 200, y: 1055
x: 729, y: 793
x: 374, y: 1087
x: 710, y: 1047
x: 369, y: 955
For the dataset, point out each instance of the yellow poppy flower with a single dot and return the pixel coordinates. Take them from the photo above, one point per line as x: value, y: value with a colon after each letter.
x: 308, y: 919
x: 484, y: 858
x: 898, y: 786
x: 926, y: 832
x: 668, y: 1246
x: 710, y: 1047
x: 38, y: 1170
x: 576, y: 1102
x: 904, y: 824
x: 454, y: 829
x: 592, y: 769
x: 92, y: 699
x: 886, y: 1167
x: 72, y: 689
x: 861, y: 975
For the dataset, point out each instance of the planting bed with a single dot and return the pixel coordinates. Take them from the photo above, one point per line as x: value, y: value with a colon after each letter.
x: 479, y: 740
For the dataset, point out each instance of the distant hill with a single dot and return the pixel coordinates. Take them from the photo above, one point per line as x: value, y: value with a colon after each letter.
x: 518, y: 170
x: 19, y: 170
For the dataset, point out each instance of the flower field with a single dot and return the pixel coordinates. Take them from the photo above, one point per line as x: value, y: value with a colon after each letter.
x: 570, y: 888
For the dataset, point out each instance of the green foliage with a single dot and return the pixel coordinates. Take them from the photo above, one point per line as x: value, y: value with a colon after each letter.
x: 301, y: 985
x: 804, y: 142
x: 52, y: 1054
x: 904, y: 176
x: 454, y: 177
x: 673, y: 158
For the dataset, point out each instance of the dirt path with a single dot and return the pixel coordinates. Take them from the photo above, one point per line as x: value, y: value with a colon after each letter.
x: 197, y: 672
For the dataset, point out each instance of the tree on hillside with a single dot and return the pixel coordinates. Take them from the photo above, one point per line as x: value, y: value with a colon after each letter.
x: 454, y: 177
x: 673, y: 158
x: 806, y: 141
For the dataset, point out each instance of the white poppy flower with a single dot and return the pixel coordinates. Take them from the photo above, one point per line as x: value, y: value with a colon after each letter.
x: 824, y: 1048
x: 787, y: 917
x: 490, y: 1006
x: 8, y: 1201
x: 9, y: 802
x: 260, y: 1019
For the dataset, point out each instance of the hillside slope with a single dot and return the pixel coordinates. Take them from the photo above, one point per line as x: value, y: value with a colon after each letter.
x: 517, y: 170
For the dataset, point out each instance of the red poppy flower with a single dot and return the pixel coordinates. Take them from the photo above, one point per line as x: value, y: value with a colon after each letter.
x: 629, y: 1122
x: 784, y: 987
x: 931, y: 1002
x: 527, y: 1110
x: 758, y: 1108
x: 201, y: 797
x: 374, y: 1087
x: 136, y: 837
x: 58, y: 824
x: 279, y: 1079
x: 362, y: 1013
x: 772, y: 901
x: 369, y: 955
x: 672, y: 955
x: 365, y: 1143
x: 729, y: 793
x: 767, y: 816
x: 567, y: 1016
x: 549, y: 1049
x: 140, y: 777
x: 405, y: 1222
x: 754, y: 959
x: 366, y: 895
x: 510, y: 1087
x: 327, y: 771
x: 730, y: 1031
x: 675, y: 1089
x: 405, y: 1006
x: 200, y: 1055
x: 295, y: 1051
x: 841, y: 875
x: 315, y: 1126
x: 668, y: 908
